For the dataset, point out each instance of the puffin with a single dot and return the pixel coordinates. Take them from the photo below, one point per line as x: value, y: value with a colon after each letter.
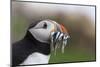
x: 40, y: 40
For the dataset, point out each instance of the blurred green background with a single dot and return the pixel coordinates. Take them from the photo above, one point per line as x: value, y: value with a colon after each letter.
x: 78, y: 20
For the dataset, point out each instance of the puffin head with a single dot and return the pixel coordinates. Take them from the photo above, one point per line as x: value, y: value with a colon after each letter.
x: 49, y: 31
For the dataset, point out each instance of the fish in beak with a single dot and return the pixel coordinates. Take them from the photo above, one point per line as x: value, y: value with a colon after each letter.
x: 59, y: 38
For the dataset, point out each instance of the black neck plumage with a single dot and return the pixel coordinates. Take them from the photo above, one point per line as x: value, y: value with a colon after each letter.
x: 25, y: 47
x: 39, y: 46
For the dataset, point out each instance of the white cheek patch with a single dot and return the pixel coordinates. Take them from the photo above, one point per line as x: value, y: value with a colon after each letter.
x: 40, y: 34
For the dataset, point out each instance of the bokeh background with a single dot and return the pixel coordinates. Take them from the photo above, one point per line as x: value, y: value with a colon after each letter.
x: 79, y: 20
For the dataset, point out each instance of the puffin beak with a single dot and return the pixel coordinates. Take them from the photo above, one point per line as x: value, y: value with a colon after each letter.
x: 59, y: 37
x: 64, y: 30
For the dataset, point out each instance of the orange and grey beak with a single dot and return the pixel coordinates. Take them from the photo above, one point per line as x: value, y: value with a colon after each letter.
x: 63, y: 29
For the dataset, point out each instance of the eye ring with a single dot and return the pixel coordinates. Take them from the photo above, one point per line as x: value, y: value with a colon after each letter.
x: 45, y: 25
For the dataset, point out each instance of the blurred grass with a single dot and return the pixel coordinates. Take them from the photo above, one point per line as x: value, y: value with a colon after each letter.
x: 71, y: 55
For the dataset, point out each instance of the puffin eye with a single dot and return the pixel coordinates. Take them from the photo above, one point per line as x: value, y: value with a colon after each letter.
x: 45, y: 25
